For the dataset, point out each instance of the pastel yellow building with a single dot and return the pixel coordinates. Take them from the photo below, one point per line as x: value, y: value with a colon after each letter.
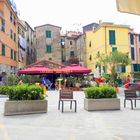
x: 106, y: 38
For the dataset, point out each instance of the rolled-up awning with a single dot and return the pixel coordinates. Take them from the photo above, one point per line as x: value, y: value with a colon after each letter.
x: 129, y: 6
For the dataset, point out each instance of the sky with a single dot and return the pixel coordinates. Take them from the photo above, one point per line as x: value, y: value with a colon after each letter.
x: 74, y: 14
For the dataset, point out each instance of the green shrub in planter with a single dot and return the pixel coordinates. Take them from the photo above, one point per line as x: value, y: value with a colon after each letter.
x: 3, y: 90
x: 100, y: 92
x: 25, y: 92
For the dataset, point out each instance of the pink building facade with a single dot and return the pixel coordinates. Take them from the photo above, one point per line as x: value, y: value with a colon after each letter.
x: 134, y: 39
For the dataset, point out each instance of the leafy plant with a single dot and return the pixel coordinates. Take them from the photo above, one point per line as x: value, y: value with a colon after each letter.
x: 25, y: 92
x: 100, y: 92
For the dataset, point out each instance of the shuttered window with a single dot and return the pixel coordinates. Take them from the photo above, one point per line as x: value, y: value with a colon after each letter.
x: 3, y: 50
x: 114, y: 49
x: 132, y: 54
x: 15, y: 55
x: 11, y: 54
x: 112, y: 39
x: 48, y: 34
x: 48, y: 48
x: 123, y: 69
x: 132, y: 39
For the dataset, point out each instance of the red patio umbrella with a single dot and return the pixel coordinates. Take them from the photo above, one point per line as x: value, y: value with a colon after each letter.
x: 38, y: 69
x: 62, y: 70
x: 74, y: 68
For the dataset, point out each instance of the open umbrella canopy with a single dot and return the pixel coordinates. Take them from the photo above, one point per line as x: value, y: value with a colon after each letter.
x: 129, y: 6
x: 38, y: 69
x: 74, y: 68
x: 62, y: 70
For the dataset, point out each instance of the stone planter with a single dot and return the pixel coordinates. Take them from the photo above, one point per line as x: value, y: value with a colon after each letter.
x: 102, y: 104
x: 25, y: 107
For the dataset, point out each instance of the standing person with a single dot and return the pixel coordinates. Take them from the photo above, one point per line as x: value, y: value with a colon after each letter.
x: 127, y: 81
x: 44, y: 85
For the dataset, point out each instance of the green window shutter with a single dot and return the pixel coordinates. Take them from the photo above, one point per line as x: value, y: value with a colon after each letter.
x: 114, y: 49
x: 71, y: 53
x: 15, y: 55
x: 112, y: 39
x: 3, y: 50
x: 132, y: 39
x: 132, y: 54
x: 48, y: 48
x: 123, y: 68
x: 48, y: 34
x: 11, y: 54
x: 11, y: 33
x: 15, y: 37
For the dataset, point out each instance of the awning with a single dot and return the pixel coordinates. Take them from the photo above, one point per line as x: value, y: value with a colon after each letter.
x: 129, y: 6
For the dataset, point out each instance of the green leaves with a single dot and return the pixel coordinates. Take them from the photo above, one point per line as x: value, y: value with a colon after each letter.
x: 100, y: 92
x: 23, y: 92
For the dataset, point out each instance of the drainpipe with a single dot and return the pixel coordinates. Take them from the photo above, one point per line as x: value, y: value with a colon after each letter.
x: 105, y: 41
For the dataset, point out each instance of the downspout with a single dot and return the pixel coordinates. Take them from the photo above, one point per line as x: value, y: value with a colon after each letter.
x: 105, y: 41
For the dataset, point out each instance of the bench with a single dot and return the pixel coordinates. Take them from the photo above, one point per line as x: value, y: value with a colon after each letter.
x: 131, y: 95
x: 66, y: 96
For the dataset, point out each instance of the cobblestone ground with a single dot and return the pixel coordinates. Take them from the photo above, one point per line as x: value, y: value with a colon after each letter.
x: 123, y: 124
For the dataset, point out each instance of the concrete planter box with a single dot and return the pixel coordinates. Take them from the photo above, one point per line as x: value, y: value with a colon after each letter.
x: 102, y: 104
x: 25, y: 107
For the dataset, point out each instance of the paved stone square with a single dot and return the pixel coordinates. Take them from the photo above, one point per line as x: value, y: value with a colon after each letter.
x: 123, y: 124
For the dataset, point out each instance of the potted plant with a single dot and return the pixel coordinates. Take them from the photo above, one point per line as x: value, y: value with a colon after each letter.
x: 25, y: 99
x: 101, y: 98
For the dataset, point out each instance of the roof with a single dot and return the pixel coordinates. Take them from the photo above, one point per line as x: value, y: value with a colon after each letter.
x: 108, y: 24
x: 89, y: 26
x: 48, y: 63
x: 47, y: 25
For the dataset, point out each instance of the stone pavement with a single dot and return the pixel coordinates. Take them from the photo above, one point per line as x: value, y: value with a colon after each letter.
x: 123, y: 124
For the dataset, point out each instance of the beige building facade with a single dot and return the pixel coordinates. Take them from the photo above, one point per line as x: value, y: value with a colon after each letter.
x: 48, y: 43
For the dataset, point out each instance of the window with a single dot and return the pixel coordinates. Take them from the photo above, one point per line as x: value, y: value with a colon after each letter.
x: 48, y: 49
x: 14, y: 21
x: 15, y: 37
x: 3, y: 25
x: 132, y: 54
x: 114, y: 49
x: 119, y: 68
x: 3, y: 50
x: 11, y: 16
x: 139, y: 38
x: 71, y: 53
x: 15, y: 55
x: 132, y: 39
x: 90, y: 58
x: 11, y: 33
x: 123, y: 69
x: 90, y: 44
x: 136, y: 67
x: 70, y: 42
x: 11, y: 54
x: 112, y: 39
x: 48, y: 34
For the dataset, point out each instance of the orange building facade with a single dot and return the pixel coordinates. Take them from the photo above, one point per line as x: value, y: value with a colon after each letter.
x: 8, y: 38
